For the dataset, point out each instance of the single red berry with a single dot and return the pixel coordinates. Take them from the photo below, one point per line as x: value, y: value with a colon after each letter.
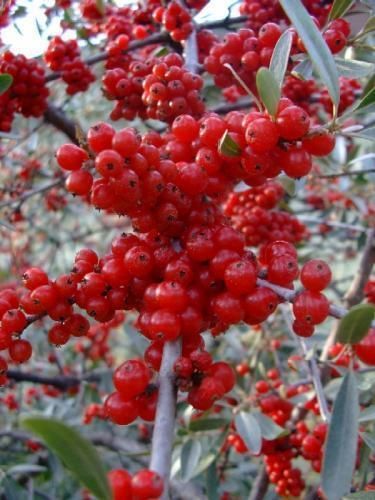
x: 147, y: 484
x: 316, y: 275
x: 119, y: 410
x: 120, y: 482
x: 131, y: 378
x: 311, y: 307
x: 71, y: 157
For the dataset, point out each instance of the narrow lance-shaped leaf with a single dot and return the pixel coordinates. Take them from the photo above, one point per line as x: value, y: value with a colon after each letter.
x: 6, y: 81
x: 341, y: 444
x: 248, y: 428
x: 190, y: 455
x: 355, y: 324
x: 367, y: 100
x: 78, y: 454
x: 316, y: 47
x: 280, y: 57
x: 339, y: 8
x: 268, y: 89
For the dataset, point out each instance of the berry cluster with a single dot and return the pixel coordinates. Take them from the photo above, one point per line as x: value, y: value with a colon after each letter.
x: 245, y: 52
x: 134, y: 396
x: 261, y: 11
x: 144, y: 485
x: 65, y: 57
x: 204, y: 380
x: 27, y: 94
x: 175, y: 19
x: 158, y: 88
x: 251, y: 212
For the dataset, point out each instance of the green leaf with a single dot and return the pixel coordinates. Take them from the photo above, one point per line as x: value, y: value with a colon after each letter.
x: 269, y: 429
x: 367, y: 415
x: 316, y: 47
x: 360, y: 495
x: 207, y: 424
x: 268, y: 89
x: 367, y: 133
x: 368, y: 99
x: 249, y: 430
x: 280, y: 57
x: 212, y: 482
x: 303, y: 70
x: 78, y: 454
x: 354, y: 69
x: 227, y: 146
x: 288, y: 184
x: 355, y: 324
x: 339, y: 8
x: 100, y: 5
x: 6, y: 81
x: 368, y: 27
x: 369, y: 439
x: 190, y: 455
x: 341, y: 444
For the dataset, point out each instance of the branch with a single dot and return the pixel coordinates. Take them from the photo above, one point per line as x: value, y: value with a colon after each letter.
x: 58, y: 119
x: 347, y: 174
x: 28, y: 194
x: 341, y: 225
x: 163, y: 435
x: 62, y: 382
x: 260, y: 486
x: 290, y: 295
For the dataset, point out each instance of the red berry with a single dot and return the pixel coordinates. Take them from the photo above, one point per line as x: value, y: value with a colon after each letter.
x: 147, y: 484
x: 315, y: 275
x: 131, y: 378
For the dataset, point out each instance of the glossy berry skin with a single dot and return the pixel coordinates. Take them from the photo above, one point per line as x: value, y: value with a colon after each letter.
x: 120, y: 411
x: 71, y: 157
x: 204, y: 396
x: 131, y: 378
x: 311, y: 307
x: 262, y: 135
x: 240, y: 277
x: 20, y: 351
x: 293, y: 123
x: 319, y: 143
x: 224, y: 373
x: 365, y: 350
x: 120, y: 483
x: 316, y: 275
x: 147, y: 484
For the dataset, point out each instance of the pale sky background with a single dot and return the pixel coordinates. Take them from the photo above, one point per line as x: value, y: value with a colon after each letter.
x: 30, y: 43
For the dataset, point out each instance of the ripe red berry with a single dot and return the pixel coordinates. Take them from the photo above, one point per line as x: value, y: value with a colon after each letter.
x: 119, y: 410
x: 316, y: 275
x: 311, y: 307
x: 71, y: 157
x: 147, y: 484
x: 293, y: 123
x: 240, y: 277
x: 120, y: 482
x: 131, y: 378
x: 20, y: 351
x: 365, y: 350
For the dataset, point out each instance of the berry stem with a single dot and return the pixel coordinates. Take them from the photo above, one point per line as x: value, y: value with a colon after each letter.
x: 162, y: 439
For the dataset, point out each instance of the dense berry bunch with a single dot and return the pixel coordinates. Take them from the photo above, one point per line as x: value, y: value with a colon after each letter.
x: 251, y: 211
x: 175, y: 19
x: 27, y: 94
x: 204, y: 380
x: 262, y: 11
x: 157, y: 88
x: 65, y: 57
x: 245, y: 52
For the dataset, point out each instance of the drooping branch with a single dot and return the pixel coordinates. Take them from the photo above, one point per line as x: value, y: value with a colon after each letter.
x: 59, y: 120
